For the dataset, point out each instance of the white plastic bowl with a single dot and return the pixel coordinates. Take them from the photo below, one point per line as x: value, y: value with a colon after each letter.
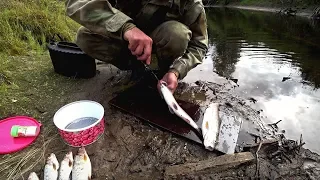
x: 79, y: 109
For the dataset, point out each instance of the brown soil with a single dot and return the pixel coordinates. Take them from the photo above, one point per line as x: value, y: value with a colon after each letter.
x: 132, y: 149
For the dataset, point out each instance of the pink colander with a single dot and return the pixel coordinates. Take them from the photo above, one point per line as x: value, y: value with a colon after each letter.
x: 85, y: 135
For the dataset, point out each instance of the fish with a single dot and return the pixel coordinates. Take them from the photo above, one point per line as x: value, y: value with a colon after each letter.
x: 66, y: 167
x: 210, y: 126
x: 81, y: 166
x: 51, y: 168
x: 33, y: 176
x: 174, y: 107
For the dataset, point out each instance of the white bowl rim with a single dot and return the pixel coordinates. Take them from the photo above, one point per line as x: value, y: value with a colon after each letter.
x: 80, y: 129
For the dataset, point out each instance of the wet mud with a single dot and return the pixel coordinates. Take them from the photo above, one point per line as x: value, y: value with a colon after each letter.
x: 231, y: 105
x: 145, y: 103
x: 135, y: 149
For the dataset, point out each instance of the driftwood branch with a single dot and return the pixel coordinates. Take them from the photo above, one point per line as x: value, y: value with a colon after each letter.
x: 275, y: 125
x: 219, y: 163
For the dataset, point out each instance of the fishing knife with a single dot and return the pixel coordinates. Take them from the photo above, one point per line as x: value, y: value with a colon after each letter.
x: 147, y: 67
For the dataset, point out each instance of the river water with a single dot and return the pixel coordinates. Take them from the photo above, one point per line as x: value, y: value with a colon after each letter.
x: 276, y: 60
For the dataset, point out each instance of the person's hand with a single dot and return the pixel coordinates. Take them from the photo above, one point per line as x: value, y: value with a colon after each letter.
x: 140, y: 44
x: 171, y: 80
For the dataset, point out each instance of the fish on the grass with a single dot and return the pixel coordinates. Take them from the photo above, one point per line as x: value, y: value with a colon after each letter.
x: 51, y: 168
x: 33, y: 176
x: 66, y: 167
x: 174, y: 107
x: 81, y: 166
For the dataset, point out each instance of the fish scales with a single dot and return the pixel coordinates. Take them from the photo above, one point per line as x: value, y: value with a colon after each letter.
x: 81, y: 166
x: 210, y: 126
x: 66, y: 167
x: 51, y: 168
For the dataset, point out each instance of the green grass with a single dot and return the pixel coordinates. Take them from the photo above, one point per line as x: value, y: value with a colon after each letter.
x: 31, y: 87
x: 28, y: 24
x: 28, y: 84
x: 26, y: 73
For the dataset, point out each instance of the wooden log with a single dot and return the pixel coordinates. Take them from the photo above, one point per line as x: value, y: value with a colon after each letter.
x: 215, y: 164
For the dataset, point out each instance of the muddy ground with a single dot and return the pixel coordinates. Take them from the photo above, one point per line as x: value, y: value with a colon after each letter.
x: 132, y: 149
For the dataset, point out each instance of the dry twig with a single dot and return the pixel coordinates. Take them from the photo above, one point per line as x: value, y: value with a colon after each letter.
x: 257, y: 157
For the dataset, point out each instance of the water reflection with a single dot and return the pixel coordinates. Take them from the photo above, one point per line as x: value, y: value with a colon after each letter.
x: 260, y: 49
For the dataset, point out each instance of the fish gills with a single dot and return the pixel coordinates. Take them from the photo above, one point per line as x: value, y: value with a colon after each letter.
x: 66, y: 167
x: 51, y: 168
x: 33, y: 176
x: 210, y: 126
x: 81, y: 166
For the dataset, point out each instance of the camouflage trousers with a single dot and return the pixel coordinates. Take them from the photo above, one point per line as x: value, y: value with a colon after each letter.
x: 170, y: 40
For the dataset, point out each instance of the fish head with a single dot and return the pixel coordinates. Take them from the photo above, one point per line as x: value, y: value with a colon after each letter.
x: 82, y: 165
x: 82, y: 155
x: 163, y: 84
x: 52, y: 160
x: 69, y: 158
x: 82, y: 151
x: 164, y: 88
x: 33, y: 176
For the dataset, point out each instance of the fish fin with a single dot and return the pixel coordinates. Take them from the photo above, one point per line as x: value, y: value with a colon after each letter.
x: 85, y: 157
x: 175, y: 106
x: 172, y: 112
x: 70, y: 163
x: 54, y: 166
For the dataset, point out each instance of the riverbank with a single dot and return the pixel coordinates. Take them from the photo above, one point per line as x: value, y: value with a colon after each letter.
x: 301, y: 12
x: 129, y: 148
x: 299, y: 8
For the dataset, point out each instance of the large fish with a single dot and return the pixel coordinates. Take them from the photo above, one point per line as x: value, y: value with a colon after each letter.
x: 51, y: 168
x: 81, y: 166
x: 66, y: 167
x: 210, y: 126
x: 33, y: 176
x: 174, y: 107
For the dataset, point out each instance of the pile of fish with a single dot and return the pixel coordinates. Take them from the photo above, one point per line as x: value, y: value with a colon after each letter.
x: 77, y: 168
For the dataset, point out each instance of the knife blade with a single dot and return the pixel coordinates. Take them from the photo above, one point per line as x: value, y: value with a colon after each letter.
x: 150, y: 70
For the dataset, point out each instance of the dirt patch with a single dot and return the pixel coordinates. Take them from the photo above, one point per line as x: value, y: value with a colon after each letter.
x: 132, y: 149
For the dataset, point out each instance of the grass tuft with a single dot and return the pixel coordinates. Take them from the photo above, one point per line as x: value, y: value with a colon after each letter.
x: 29, y: 24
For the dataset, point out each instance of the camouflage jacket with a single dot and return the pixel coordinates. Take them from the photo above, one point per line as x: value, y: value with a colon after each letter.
x: 113, y: 18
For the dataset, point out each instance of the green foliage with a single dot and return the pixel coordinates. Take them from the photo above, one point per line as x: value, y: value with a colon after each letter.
x: 28, y: 24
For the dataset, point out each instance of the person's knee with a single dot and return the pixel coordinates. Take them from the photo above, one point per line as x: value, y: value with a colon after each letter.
x: 171, y: 39
x: 95, y: 45
x: 103, y: 48
x: 82, y: 38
